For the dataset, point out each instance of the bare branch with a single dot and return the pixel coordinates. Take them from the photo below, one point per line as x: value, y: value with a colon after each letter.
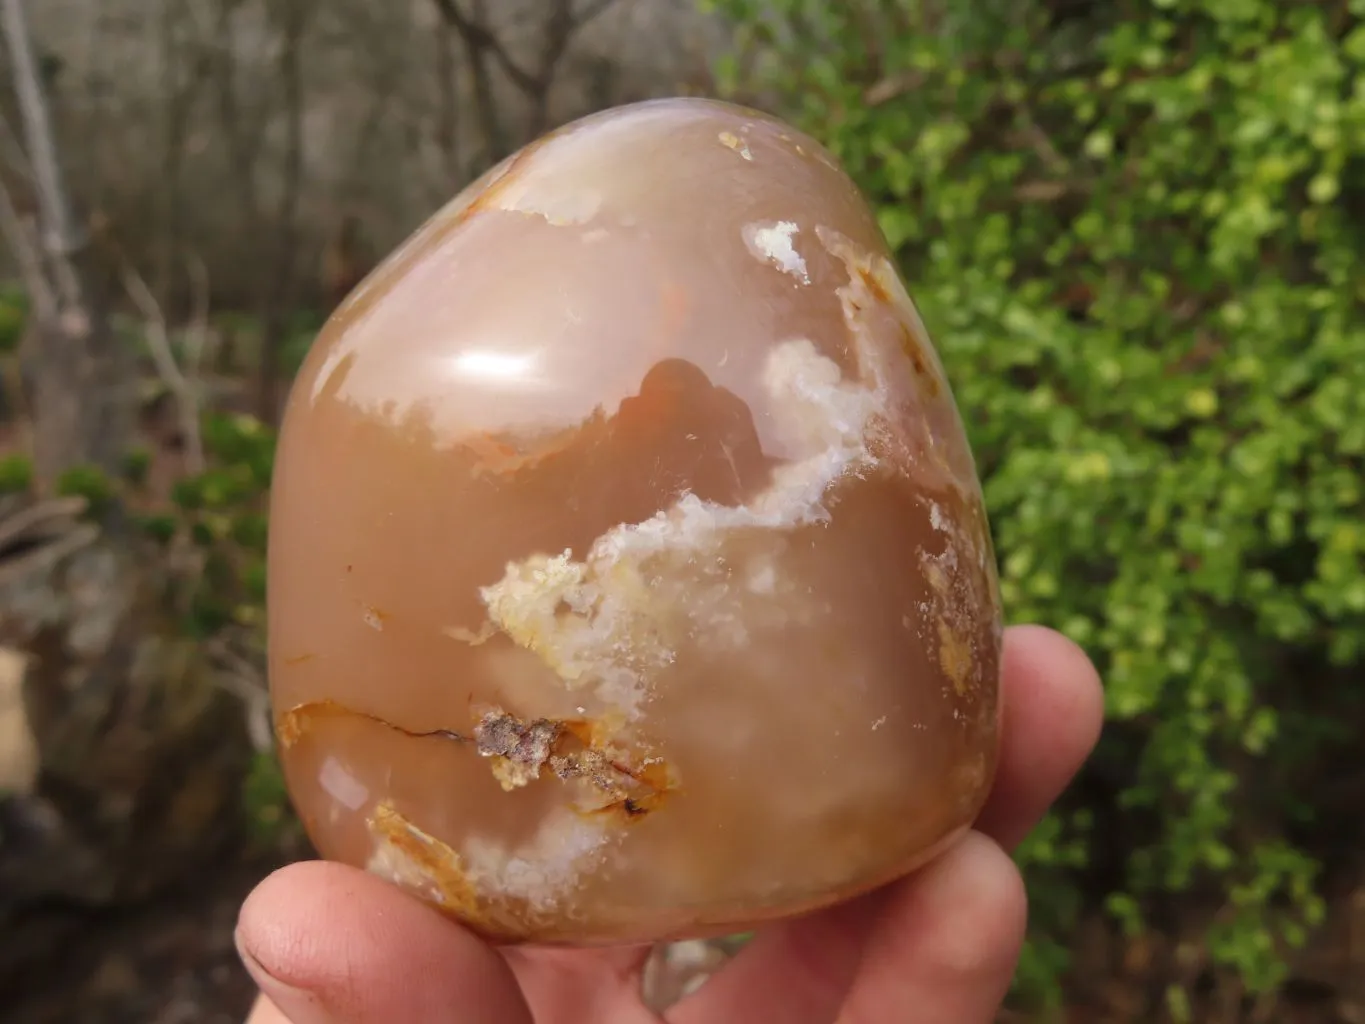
x: 61, y: 239
x: 186, y: 391
x: 591, y: 11
x: 485, y: 102
x: 34, y: 562
x: 480, y: 41
x: 560, y: 28
x: 892, y: 87
x: 239, y: 676
x: 41, y: 521
x: 478, y: 36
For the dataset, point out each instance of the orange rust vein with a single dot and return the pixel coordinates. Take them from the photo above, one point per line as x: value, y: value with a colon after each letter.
x: 913, y: 346
x: 436, y: 863
x: 874, y: 284
x: 485, y: 199
x: 299, y: 720
x: 630, y: 782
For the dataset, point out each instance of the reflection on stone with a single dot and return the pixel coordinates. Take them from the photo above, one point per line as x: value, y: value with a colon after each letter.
x: 627, y: 550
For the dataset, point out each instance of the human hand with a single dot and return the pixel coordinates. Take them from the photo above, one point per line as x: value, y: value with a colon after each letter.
x: 329, y: 944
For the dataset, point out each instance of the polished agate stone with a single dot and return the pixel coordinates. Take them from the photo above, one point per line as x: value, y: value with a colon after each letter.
x: 629, y: 576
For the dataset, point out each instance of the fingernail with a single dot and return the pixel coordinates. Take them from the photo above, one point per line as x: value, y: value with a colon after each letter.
x: 299, y: 1005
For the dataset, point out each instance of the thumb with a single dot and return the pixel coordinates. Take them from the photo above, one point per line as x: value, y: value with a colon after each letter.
x: 330, y: 944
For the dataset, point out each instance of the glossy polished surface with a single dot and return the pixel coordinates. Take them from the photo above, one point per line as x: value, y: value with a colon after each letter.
x: 629, y: 576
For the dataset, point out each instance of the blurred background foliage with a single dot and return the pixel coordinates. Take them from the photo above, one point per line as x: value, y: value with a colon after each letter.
x: 1136, y: 230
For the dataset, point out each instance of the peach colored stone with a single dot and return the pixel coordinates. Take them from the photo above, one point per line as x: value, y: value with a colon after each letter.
x: 629, y: 575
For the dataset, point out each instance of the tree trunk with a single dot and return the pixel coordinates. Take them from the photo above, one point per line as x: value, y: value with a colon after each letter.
x: 78, y: 379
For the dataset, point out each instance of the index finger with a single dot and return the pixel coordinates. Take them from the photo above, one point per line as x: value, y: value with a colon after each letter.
x: 1053, y: 713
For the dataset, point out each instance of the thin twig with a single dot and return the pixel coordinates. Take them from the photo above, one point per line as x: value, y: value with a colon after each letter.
x: 479, y: 36
x: 40, y: 562
x: 256, y: 705
x: 185, y: 391
x: 562, y: 23
x: 53, y: 516
x: 238, y: 676
x: 892, y: 87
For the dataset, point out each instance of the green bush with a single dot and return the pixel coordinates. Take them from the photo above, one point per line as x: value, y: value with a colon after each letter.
x: 13, y: 317
x: 16, y: 474
x: 224, y: 511
x: 90, y: 483
x: 1136, y: 229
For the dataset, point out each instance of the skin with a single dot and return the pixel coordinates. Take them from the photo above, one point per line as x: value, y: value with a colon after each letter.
x: 329, y: 944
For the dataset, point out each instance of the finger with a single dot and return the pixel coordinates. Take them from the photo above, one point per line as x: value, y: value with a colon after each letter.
x: 330, y: 944
x: 794, y: 972
x: 947, y: 943
x: 564, y: 985
x: 1053, y: 712
x: 800, y: 970
x: 266, y: 1012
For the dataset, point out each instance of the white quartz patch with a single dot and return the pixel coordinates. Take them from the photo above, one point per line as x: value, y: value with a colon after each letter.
x: 558, y: 207
x: 775, y: 243
x: 544, y: 868
x: 539, y: 873
x: 615, y: 619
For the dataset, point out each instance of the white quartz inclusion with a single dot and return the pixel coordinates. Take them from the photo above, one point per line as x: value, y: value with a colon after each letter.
x: 775, y: 243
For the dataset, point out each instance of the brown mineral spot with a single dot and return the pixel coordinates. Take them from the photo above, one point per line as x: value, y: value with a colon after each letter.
x: 519, y: 750
x: 596, y: 733
x: 631, y: 791
x: 911, y: 344
x: 954, y: 656
x: 632, y: 782
x: 873, y: 283
x: 936, y: 577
